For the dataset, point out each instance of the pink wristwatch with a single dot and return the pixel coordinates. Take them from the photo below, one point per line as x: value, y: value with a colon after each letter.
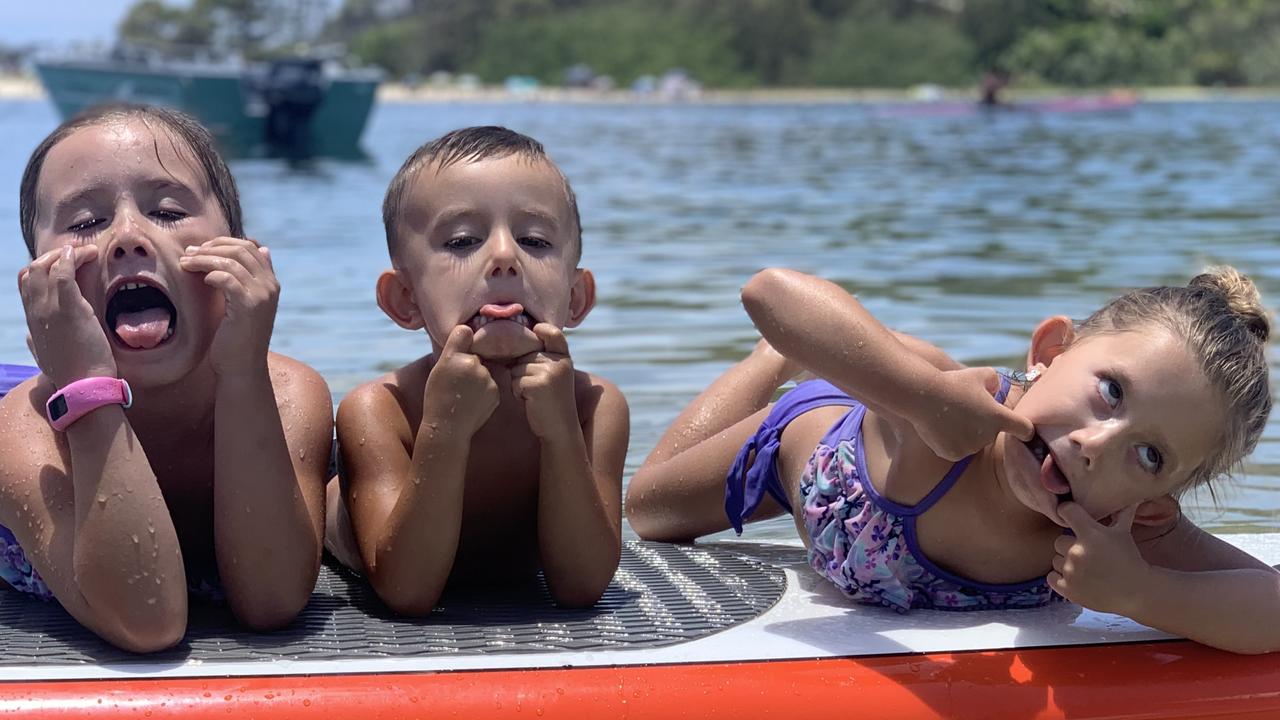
x: 84, y: 396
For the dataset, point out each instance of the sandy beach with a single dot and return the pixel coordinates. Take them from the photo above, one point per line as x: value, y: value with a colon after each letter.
x: 27, y: 87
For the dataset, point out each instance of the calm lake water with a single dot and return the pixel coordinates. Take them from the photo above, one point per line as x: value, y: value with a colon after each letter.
x: 965, y: 230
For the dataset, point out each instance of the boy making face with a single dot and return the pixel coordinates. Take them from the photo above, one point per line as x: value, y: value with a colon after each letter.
x: 491, y: 455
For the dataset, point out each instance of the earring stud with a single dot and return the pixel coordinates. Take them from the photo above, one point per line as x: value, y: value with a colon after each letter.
x: 1033, y: 374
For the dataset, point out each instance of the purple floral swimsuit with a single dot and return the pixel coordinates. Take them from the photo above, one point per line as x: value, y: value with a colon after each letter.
x: 862, y: 542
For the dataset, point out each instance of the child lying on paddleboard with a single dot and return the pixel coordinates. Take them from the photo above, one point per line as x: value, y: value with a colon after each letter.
x: 491, y: 456
x: 161, y: 447
x: 916, y: 482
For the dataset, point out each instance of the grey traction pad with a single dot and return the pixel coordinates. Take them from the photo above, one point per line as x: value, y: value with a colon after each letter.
x: 662, y: 595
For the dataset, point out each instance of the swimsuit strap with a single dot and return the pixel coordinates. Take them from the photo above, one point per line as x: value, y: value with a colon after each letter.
x: 751, y: 477
x: 949, y: 480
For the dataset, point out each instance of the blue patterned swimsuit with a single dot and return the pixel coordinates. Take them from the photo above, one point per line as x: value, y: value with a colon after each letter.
x: 861, y: 541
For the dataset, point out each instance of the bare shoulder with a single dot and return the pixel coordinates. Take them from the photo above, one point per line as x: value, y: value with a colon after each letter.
x: 302, y: 396
x: 392, y: 397
x: 379, y: 418
x: 599, y: 398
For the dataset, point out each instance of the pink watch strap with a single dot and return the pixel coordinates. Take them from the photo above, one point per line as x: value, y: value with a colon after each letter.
x: 83, y: 396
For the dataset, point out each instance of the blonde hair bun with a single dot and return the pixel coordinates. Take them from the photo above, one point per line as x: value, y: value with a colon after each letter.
x: 1242, y: 297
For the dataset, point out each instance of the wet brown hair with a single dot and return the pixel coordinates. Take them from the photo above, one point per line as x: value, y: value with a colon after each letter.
x: 183, y: 129
x: 1219, y: 315
x: 471, y: 144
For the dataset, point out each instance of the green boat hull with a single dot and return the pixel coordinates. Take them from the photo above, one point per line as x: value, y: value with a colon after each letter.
x: 221, y: 98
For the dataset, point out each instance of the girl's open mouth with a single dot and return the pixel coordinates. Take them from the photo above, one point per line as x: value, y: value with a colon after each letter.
x: 1051, y: 476
x: 140, y: 315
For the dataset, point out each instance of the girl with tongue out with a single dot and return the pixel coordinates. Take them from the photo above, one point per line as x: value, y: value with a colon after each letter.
x: 916, y: 482
x: 161, y: 447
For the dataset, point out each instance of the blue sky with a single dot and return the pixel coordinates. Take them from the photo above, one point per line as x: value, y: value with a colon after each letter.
x: 58, y: 23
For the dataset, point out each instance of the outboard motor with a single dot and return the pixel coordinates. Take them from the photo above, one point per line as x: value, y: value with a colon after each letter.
x: 293, y: 90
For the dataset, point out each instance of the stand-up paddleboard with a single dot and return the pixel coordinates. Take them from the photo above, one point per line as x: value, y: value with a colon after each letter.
x: 735, y: 630
x: 721, y: 630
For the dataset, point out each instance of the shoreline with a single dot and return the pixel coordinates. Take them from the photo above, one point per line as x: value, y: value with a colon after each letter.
x: 27, y: 87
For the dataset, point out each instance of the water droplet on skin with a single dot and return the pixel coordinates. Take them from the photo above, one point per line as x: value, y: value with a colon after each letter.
x: 361, y: 441
x: 417, y: 481
x: 135, y: 539
x: 302, y: 453
x: 102, y: 499
x: 24, y: 506
x: 151, y: 601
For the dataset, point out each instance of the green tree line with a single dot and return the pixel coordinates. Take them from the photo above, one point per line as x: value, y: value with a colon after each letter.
x: 745, y: 43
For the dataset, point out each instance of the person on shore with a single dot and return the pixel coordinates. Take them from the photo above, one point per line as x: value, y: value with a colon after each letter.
x: 491, y: 456
x: 918, y: 483
x: 161, y: 447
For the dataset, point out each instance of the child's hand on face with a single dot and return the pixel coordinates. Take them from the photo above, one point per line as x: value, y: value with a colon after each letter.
x: 242, y: 270
x: 66, y: 338
x: 544, y: 381
x: 965, y: 417
x: 460, y: 389
x: 1100, y: 567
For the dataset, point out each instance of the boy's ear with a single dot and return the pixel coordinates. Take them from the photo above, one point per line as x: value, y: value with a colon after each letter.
x: 396, y: 300
x: 1160, y: 511
x: 1051, y: 338
x: 582, y: 297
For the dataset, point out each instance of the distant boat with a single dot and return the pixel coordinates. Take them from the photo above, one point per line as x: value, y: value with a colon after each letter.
x: 291, y: 107
x: 1111, y: 102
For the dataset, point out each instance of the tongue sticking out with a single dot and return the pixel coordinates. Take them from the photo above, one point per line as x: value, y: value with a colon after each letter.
x: 504, y: 311
x: 1052, y: 478
x: 143, y: 329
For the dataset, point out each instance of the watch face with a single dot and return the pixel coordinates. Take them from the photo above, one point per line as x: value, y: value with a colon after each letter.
x: 57, y: 408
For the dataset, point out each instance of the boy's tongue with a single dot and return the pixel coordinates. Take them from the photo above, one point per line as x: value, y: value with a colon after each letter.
x: 143, y: 329
x: 501, y: 311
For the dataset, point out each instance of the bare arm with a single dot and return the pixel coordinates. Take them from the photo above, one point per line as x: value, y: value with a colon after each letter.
x: 404, y: 486
x: 951, y: 410
x: 1185, y: 582
x: 92, y: 521
x: 85, y: 507
x: 931, y: 353
x: 580, y: 497
x: 270, y: 413
x: 1210, y: 591
x: 580, y: 473
x: 272, y: 431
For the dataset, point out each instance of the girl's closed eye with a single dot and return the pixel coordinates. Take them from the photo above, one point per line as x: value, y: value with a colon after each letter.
x: 84, y: 225
x: 168, y: 215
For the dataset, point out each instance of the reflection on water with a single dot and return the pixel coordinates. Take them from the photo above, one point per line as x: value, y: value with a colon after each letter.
x: 964, y: 230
